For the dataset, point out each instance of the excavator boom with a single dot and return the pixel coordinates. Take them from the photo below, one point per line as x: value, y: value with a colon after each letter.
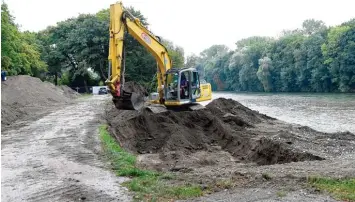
x: 122, y: 21
x: 176, y: 87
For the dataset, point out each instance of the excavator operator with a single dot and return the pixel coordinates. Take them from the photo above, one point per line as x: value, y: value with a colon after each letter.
x: 184, y: 86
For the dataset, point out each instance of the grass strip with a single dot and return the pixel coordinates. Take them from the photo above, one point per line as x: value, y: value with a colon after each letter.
x: 85, y: 95
x: 148, y: 185
x: 343, y: 189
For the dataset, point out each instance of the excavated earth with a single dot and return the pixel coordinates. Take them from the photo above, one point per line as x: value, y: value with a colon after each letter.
x: 25, y: 98
x: 229, y: 146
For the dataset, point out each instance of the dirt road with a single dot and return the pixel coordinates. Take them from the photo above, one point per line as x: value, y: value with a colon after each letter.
x: 58, y: 158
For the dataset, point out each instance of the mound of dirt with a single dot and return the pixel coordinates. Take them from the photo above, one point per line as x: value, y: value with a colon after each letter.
x: 68, y: 92
x: 224, y: 123
x: 227, y: 145
x: 132, y: 86
x: 23, y: 96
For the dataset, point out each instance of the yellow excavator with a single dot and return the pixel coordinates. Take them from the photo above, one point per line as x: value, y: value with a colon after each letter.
x: 177, y: 87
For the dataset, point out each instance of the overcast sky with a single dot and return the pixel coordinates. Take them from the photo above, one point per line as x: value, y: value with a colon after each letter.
x: 195, y: 24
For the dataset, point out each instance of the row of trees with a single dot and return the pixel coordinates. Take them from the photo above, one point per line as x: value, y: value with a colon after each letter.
x: 20, y: 53
x: 75, y: 51
x: 312, y: 59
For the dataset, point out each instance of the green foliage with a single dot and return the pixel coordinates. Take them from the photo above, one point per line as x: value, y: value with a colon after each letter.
x: 264, y: 73
x: 19, y: 51
x: 192, y: 61
x: 339, y: 55
x: 176, y: 53
x: 343, y: 189
x: 65, y: 79
x: 78, y: 44
x: 75, y: 46
x: 76, y: 51
x: 312, y: 59
x: 312, y: 26
x: 211, y: 65
x: 101, y: 83
x: 148, y: 185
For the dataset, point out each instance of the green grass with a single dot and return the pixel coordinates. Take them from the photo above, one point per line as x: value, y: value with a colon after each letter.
x: 148, y: 185
x: 343, y: 189
x: 85, y: 95
x: 266, y: 176
x: 281, y: 194
x: 225, y: 184
x: 155, y: 187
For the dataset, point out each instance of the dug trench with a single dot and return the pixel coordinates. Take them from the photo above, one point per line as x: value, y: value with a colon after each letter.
x: 228, y: 145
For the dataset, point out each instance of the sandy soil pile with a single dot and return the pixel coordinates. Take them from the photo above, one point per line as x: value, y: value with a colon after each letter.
x: 69, y: 92
x: 22, y: 96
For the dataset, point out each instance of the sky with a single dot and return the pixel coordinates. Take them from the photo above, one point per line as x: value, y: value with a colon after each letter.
x: 195, y: 24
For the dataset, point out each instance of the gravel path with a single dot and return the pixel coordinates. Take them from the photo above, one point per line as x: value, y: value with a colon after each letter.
x: 58, y: 158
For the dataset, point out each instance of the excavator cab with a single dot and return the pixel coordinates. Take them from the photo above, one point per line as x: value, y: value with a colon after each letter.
x: 182, y: 86
x: 184, y: 89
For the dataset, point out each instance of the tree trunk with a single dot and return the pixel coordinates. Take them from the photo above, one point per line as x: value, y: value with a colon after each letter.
x: 56, y: 78
x: 101, y: 70
x: 86, y: 86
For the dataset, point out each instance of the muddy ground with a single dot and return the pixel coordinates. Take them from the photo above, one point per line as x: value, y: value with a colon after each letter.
x: 230, y: 147
x: 58, y: 157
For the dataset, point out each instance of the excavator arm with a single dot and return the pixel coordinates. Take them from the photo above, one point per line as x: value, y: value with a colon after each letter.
x: 121, y: 21
x: 181, y: 87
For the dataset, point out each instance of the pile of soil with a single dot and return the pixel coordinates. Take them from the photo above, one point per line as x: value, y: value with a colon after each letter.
x: 132, y: 86
x: 69, y: 92
x: 229, y: 145
x: 224, y: 123
x: 23, y: 96
x: 133, y: 96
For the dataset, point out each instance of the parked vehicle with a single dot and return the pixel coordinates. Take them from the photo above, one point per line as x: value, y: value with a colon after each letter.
x: 102, y: 91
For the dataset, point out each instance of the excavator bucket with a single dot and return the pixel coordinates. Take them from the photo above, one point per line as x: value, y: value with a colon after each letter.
x: 129, y: 101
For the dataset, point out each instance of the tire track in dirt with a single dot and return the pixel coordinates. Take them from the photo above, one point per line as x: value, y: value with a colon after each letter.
x: 58, y: 158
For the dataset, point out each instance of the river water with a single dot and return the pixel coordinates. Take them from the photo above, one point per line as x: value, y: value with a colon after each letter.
x: 323, y: 112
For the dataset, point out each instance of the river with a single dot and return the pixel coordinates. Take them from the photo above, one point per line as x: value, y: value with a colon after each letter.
x: 323, y: 112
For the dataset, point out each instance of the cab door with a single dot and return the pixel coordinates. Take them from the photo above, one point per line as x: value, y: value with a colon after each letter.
x: 195, y: 86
